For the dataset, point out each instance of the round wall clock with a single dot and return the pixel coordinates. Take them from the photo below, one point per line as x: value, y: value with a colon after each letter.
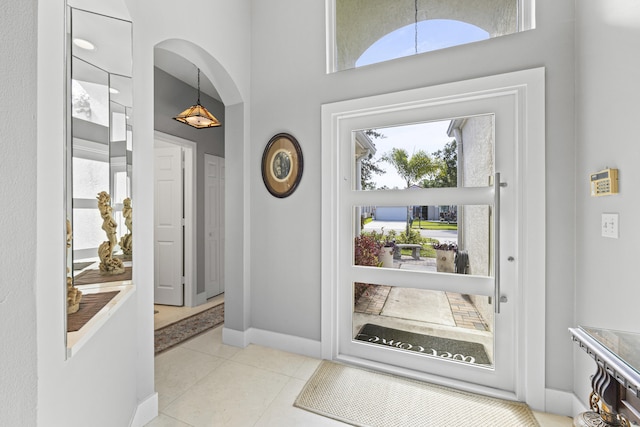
x: 282, y: 165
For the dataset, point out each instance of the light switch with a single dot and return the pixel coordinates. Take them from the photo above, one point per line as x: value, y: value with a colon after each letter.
x: 610, y: 225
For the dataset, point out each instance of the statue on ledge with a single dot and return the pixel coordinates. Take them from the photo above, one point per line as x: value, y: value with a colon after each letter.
x: 108, y: 264
x: 126, y: 240
x: 74, y: 296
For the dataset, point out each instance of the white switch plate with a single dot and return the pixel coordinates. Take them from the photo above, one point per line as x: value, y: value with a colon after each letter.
x: 610, y: 225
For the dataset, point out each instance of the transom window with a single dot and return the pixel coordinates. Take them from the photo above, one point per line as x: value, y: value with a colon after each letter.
x: 371, y: 31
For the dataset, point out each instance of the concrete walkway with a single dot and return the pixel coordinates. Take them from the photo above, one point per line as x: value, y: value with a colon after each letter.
x: 437, y: 313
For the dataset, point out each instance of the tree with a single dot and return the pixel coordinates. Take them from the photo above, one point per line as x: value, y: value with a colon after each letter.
x: 370, y: 167
x: 411, y: 169
x: 446, y: 174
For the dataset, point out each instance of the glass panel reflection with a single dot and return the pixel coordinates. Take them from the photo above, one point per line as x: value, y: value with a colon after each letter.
x: 445, y: 325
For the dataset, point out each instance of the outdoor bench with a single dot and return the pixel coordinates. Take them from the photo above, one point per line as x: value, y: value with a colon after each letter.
x: 415, y: 250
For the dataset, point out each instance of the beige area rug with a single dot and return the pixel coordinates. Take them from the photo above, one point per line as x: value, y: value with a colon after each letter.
x: 365, y: 398
x: 175, y: 333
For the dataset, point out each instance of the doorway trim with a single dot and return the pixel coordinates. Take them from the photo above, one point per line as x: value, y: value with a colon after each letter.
x: 528, y: 87
x: 191, y: 298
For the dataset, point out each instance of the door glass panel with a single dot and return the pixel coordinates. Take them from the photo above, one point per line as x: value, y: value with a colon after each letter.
x: 442, y: 239
x: 447, y: 325
x: 449, y: 153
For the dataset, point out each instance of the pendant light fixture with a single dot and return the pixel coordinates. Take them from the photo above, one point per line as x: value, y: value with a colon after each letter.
x: 197, y: 116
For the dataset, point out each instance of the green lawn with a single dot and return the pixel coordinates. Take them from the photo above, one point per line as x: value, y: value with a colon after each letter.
x: 433, y: 225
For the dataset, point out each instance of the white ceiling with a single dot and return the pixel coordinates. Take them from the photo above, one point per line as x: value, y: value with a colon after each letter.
x: 183, y: 70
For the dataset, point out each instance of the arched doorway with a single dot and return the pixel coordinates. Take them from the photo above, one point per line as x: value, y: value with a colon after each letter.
x: 232, y: 138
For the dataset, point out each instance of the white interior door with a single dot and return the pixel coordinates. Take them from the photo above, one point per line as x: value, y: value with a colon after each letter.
x: 168, y: 226
x: 214, y: 225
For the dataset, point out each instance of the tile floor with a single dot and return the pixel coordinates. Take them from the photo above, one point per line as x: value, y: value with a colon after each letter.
x: 203, y: 382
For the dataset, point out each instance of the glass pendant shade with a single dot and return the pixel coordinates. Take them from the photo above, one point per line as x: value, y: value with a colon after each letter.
x: 197, y: 116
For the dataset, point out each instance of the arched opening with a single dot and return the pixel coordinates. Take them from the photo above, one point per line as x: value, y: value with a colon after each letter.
x: 175, y: 66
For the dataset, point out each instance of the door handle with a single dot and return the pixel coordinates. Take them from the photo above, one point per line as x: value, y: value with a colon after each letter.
x: 496, y: 241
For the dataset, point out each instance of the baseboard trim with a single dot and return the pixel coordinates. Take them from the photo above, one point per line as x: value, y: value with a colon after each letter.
x: 578, y: 406
x: 290, y: 343
x: 234, y: 338
x: 560, y: 402
x: 146, y: 411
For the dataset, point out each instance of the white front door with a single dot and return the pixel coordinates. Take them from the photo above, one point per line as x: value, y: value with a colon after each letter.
x: 414, y: 322
x: 214, y: 225
x: 168, y: 227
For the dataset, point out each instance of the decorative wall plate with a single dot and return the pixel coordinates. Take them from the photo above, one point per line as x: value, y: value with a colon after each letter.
x: 282, y: 165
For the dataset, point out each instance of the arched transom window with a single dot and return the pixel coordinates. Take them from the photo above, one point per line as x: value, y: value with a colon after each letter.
x: 370, y: 31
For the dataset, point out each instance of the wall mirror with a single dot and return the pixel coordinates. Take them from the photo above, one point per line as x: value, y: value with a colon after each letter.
x: 99, y: 203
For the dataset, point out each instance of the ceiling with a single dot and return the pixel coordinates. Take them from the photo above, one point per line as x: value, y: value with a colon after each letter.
x: 183, y: 70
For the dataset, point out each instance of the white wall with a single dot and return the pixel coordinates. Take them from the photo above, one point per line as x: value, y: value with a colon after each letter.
x: 217, y: 42
x: 18, y: 375
x: 99, y: 382
x: 112, y: 375
x: 288, y: 87
x: 607, y: 108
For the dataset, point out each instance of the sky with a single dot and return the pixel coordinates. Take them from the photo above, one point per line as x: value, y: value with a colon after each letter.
x: 429, y: 137
x: 433, y: 34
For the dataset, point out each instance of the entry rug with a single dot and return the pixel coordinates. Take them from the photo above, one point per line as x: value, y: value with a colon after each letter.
x: 182, y: 330
x: 464, y: 351
x: 365, y: 398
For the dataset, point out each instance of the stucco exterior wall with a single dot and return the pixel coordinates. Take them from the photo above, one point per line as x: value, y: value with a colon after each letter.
x: 476, y: 166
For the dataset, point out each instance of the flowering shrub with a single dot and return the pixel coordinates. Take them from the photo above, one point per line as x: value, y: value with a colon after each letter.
x: 367, y: 248
x: 446, y: 246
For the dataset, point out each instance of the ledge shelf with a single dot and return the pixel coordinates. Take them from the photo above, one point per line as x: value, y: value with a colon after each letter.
x: 77, y: 339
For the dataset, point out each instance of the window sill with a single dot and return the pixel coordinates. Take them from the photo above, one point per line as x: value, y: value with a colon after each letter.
x: 77, y: 339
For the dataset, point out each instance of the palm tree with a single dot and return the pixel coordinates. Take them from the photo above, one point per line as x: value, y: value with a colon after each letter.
x: 411, y: 169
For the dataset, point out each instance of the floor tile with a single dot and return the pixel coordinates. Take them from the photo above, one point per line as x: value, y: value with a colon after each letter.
x: 178, y: 369
x: 210, y: 342
x: 233, y: 395
x: 165, y: 421
x: 307, y: 369
x: 552, y: 420
x: 203, y: 382
x: 281, y: 412
x: 270, y: 359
